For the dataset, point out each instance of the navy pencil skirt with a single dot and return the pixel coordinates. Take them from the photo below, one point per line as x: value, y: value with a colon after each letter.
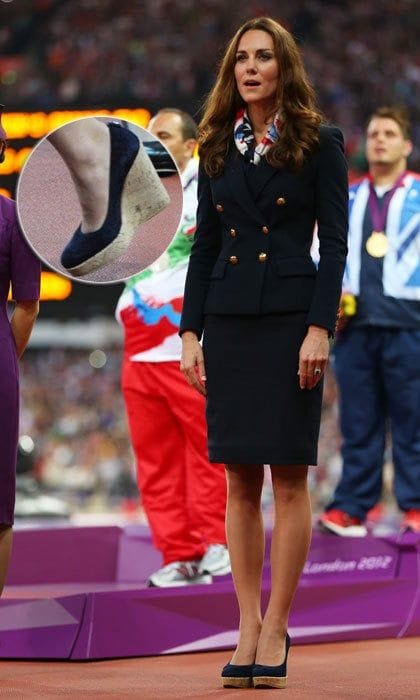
x: 256, y: 411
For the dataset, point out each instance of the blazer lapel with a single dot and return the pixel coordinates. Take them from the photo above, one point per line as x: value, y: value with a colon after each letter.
x: 264, y: 173
x: 235, y: 175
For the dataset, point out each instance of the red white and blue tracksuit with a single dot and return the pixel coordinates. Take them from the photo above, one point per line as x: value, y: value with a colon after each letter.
x: 183, y: 494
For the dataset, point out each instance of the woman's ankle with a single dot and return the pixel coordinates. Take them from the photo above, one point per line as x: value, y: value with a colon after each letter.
x: 246, y: 648
x: 271, y: 643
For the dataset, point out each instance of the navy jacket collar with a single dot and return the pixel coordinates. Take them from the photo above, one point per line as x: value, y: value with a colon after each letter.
x: 235, y: 176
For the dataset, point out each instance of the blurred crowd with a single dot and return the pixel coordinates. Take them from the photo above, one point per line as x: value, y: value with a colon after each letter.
x: 78, y: 53
x: 110, y: 53
x: 73, y: 412
x: 74, y: 415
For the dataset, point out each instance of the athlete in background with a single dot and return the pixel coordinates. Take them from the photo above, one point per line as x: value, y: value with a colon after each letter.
x: 183, y: 494
x: 377, y: 354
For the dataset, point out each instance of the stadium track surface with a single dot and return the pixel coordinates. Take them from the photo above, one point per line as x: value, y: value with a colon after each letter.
x: 388, y: 669
x: 49, y: 212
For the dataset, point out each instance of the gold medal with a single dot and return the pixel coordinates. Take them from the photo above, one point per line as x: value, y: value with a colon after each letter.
x: 377, y: 244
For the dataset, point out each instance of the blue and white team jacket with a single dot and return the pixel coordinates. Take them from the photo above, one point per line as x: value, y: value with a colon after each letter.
x: 401, y: 264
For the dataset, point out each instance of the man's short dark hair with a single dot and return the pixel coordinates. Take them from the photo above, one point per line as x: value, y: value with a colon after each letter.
x: 398, y: 114
x: 188, y: 126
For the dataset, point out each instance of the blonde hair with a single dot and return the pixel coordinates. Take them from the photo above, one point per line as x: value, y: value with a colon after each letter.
x: 295, y: 98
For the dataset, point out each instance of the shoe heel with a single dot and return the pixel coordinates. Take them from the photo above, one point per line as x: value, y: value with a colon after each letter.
x: 143, y: 194
x: 269, y: 681
x: 143, y: 197
x: 237, y: 682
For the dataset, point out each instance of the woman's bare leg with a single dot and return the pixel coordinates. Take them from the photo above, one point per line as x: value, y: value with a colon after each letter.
x: 6, y: 536
x: 85, y: 146
x: 245, y: 538
x: 289, y: 548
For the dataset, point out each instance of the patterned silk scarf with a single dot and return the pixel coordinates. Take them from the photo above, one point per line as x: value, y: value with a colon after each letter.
x: 244, y: 137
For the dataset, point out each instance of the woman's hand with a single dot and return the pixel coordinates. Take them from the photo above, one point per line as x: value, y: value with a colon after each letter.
x: 192, y: 362
x: 22, y: 321
x: 313, y: 356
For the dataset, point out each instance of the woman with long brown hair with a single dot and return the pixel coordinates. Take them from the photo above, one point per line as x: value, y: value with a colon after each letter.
x: 270, y: 170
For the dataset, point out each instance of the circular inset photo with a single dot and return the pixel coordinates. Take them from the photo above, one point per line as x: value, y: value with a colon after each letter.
x: 99, y: 199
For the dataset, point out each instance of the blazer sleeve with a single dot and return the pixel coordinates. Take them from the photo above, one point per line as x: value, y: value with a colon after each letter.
x: 331, y: 203
x: 204, y: 252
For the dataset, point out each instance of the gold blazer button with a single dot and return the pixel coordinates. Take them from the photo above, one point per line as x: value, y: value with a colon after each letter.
x: 233, y: 259
x: 265, y: 229
x: 232, y: 232
x: 280, y: 201
x: 219, y: 207
x: 262, y: 257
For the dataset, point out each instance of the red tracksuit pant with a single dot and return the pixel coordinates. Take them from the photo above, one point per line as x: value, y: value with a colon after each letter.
x: 183, y: 494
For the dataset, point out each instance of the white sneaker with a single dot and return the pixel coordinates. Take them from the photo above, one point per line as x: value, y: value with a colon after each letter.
x: 178, y: 573
x: 215, y: 561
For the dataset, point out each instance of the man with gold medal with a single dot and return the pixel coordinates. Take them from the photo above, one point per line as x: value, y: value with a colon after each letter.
x: 377, y: 353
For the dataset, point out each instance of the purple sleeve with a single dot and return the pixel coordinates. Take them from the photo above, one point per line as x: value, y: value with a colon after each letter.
x: 25, y: 268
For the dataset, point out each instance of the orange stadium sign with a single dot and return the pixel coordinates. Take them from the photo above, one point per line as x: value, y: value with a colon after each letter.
x: 53, y: 287
x: 36, y: 125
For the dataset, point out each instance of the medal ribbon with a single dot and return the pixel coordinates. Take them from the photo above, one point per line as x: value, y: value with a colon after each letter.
x: 379, y: 214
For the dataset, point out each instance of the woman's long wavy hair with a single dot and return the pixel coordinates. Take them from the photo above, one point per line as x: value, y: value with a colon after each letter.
x: 295, y: 98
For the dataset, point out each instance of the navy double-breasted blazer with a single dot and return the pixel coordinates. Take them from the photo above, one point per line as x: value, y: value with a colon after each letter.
x: 251, y: 254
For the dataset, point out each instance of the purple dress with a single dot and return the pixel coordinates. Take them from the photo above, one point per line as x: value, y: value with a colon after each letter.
x: 19, y: 266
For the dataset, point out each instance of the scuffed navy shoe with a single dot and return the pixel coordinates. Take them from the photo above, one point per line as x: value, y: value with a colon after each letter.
x: 272, y: 676
x: 135, y: 195
x: 237, y: 676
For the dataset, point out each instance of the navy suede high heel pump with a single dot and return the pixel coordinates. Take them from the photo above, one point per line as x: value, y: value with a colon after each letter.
x: 135, y: 195
x: 237, y: 676
x: 271, y: 676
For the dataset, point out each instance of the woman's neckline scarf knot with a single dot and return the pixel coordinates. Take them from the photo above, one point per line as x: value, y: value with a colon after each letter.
x: 244, y: 137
